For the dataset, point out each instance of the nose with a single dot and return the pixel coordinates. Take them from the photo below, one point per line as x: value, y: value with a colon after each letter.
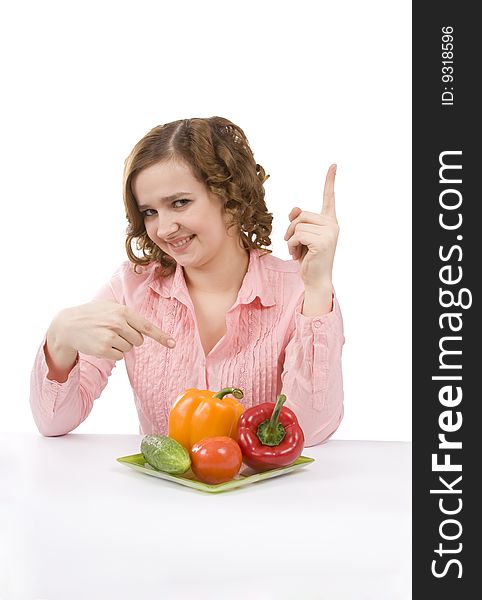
x: 166, y: 227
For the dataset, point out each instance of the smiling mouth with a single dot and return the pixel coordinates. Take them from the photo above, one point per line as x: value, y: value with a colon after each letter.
x: 182, y: 243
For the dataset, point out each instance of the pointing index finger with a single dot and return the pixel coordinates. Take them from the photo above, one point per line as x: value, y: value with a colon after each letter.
x: 145, y: 327
x: 328, y: 208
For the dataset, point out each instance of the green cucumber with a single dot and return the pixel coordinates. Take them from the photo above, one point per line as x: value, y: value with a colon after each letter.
x: 165, y: 454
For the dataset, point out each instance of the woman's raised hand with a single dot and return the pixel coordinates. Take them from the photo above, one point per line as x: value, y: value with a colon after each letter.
x: 312, y: 238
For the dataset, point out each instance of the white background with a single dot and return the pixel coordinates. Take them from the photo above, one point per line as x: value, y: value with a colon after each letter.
x: 310, y: 83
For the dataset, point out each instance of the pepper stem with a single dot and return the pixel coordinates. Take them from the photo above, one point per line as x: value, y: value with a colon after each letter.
x: 236, y: 392
x: 270, y: 432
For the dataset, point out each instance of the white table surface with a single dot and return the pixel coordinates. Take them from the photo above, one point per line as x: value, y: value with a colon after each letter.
x: 77, y: 525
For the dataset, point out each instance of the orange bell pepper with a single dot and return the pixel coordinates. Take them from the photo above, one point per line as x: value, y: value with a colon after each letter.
x: 198, y: 414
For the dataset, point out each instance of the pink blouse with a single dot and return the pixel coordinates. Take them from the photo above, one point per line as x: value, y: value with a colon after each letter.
x: 269, y: 348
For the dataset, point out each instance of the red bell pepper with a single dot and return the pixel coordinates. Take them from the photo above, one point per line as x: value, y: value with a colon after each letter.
x: 270, y: 436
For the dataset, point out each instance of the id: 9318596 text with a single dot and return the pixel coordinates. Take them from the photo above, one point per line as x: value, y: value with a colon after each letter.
x: 447, y: 57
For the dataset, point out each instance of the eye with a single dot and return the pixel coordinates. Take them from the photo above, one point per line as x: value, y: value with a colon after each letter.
x: 180, y: 200
x: 150, y: 212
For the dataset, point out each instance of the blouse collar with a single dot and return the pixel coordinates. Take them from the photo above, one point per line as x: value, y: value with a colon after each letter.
x: 254, y: 285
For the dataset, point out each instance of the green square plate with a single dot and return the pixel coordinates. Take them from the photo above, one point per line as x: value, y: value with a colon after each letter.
x: 244, y: 477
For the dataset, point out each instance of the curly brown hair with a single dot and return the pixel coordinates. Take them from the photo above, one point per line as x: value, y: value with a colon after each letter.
x: 218, y: 153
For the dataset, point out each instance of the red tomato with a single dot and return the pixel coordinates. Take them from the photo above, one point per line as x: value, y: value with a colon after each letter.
x: 216, y: 459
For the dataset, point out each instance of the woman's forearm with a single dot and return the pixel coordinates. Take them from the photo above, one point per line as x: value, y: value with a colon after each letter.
x: 318, y: 302
x: 59, y: 357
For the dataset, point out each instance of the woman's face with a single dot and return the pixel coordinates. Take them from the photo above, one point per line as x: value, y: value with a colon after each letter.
x: 181, y: 215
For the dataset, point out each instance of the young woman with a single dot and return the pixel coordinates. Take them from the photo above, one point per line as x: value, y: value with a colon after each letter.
x: 201, y: 302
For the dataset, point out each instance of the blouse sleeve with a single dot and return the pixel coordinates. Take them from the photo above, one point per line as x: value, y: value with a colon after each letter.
x: 58, y: 408
x: 312, y: 373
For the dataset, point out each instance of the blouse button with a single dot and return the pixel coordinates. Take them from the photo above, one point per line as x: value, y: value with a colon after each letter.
x: 317, y: 324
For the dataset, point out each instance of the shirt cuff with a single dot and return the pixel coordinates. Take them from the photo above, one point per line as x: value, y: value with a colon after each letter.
x: 54, y: 390
x: 315, y: 324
